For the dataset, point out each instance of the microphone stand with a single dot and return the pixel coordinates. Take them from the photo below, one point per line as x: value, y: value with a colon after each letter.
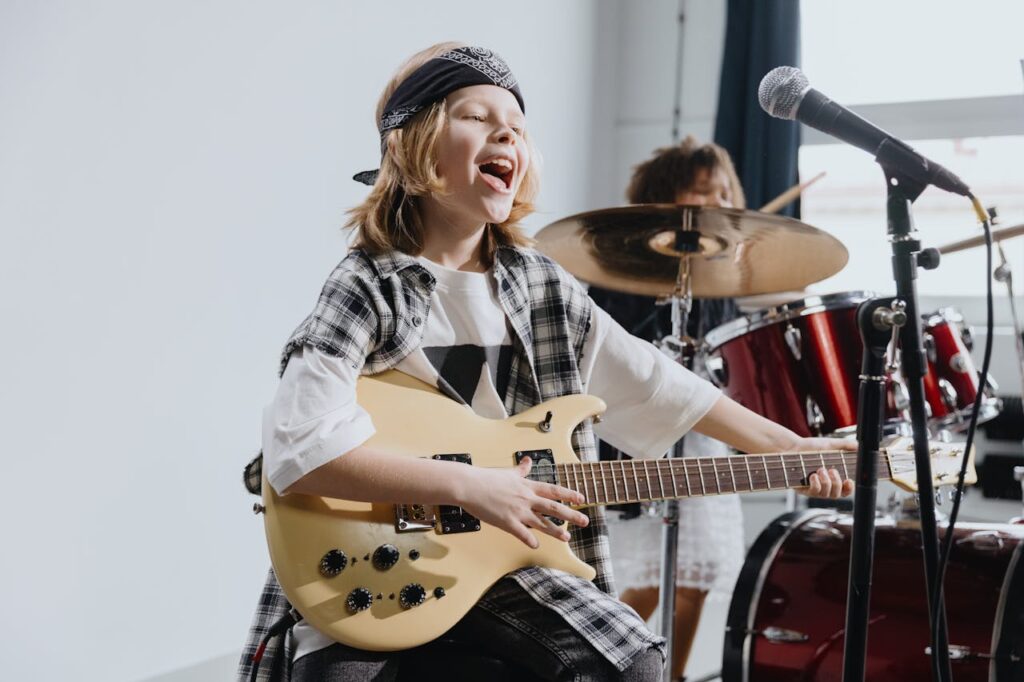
x: 879, y: 321
x: 907, y: 256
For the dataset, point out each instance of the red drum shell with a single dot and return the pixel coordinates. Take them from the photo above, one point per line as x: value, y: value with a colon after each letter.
x: 951, y: 382
x: 755, y: 361
x: 798, y: 364
x: 795, y: 579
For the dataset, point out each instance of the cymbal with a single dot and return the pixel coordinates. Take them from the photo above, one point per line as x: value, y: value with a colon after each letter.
x: 739, y: 253
x: 997, y: 235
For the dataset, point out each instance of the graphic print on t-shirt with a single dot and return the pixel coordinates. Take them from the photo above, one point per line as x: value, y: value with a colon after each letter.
x: 462, y: 367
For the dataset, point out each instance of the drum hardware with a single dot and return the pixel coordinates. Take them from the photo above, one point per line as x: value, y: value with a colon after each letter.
x: 814, y: 416
x: 793, y: 339
x: 1018, y: 475
x: 775, y: 635
x: 964, y: 653
x: 990, y: 539
x: 1003, y: 273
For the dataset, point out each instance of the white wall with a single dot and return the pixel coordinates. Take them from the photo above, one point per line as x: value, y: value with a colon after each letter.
x: 172, y: 179
x: 640, y: 41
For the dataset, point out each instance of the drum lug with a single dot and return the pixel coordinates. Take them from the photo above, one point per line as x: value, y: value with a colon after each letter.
x: 959, y: 652
x: 930, y: 350
x: 794, y: 339
x: 949, y: 395
x: 715, y: 366
x: 815, y: 419
x: 781, y: 635
x: 991, y: 540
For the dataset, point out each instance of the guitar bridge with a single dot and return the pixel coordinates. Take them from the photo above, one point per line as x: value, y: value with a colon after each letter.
x: 451, y: 519
x: 414, y: 517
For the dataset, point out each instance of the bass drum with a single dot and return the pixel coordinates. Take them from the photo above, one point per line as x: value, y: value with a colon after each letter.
x: 788, y: 612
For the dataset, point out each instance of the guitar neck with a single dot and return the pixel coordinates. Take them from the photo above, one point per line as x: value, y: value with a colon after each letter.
x: 644, y: 480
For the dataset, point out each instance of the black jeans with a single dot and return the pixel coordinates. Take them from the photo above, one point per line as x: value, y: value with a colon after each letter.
x: 535, y: 642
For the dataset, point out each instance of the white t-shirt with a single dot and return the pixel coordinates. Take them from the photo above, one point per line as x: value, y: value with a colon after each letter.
x: 467, y: 345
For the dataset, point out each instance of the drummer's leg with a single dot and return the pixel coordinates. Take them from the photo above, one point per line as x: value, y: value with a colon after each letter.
x: 643, y: 600
x: 689, y: 604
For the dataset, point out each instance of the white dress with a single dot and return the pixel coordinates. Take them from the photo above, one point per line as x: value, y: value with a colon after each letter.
x: 710, y: 551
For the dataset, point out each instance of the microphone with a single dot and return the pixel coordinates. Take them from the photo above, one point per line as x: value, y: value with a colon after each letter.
x: 785, y: 93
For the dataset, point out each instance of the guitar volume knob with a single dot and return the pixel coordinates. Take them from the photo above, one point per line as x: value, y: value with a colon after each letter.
x: 333, y: 563
x: 385, y: 556
x: 412, y: 595
x: 359, y: 599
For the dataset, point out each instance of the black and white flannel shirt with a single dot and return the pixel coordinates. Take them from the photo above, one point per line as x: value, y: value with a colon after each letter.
x: 371, y: 312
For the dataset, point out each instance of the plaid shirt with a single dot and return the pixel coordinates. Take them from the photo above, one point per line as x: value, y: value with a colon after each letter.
x: 371, y: 312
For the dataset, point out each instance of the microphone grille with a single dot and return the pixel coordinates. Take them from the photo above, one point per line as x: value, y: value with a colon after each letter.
x: 781, y: 91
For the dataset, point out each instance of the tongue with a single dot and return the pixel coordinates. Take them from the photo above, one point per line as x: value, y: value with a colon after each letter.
x: 494, y: 181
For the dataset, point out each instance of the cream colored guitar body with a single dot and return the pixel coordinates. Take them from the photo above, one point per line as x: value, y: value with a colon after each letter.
x: 454, y: 569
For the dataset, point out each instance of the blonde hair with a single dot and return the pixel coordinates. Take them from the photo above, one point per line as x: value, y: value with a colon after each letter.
x: 389, y: 218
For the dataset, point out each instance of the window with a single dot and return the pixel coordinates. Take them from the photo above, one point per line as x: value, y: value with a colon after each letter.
x: 943, y: 76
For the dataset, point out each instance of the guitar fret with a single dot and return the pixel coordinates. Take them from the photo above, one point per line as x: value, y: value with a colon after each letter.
x: 636, y: 481
x: 714, y: 466
x: 672, y: 474
x: 593, y: 476
x: 803, y: 468
x: 647, y: 476
x: 615, y: 479
x: 842, y: 455
x: 604, y: 481
x: 686, y: 478
x: 785, y: 474
x: 586, y: 488
x: 700, y: 472
x: 767, y: 478
x: 732, y: 475
x: 661, y: 483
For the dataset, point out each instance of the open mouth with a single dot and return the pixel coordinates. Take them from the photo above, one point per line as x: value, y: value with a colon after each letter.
x: 498, y: 174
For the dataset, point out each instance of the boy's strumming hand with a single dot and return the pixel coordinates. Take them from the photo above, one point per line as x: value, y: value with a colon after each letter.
x: 507, y: 499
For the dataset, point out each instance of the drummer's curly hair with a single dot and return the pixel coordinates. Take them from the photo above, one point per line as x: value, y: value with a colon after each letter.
x: 660, y: 179
x: 389, y: 218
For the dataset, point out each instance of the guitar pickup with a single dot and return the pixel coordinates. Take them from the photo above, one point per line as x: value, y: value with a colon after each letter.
x: 452, y: 519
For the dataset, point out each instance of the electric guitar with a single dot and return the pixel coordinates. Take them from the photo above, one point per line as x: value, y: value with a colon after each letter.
x: 385, y: 577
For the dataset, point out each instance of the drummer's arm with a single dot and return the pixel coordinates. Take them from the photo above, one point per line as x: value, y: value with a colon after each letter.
x: 747, y: 431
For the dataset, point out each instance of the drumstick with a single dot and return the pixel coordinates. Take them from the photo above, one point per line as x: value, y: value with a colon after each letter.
x: 779, y: 202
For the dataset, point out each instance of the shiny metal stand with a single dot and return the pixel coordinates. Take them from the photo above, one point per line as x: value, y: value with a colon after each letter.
x: 682, y: 349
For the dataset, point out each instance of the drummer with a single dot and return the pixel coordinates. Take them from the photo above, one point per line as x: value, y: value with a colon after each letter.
x: 711, y: 546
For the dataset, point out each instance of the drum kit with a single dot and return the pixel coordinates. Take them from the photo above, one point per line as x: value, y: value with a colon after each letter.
x: 797, y: 363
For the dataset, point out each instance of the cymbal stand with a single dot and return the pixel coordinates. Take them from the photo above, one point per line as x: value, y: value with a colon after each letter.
x: 682, y: 349
x: 1004, y: 274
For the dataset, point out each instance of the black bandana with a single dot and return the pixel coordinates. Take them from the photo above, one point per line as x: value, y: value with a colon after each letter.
x: 459, y: 68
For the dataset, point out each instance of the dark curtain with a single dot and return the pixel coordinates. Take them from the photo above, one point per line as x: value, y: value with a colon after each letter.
x: 759, y: 36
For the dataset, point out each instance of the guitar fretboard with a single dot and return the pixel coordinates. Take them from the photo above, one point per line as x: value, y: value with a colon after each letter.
x: 644, y: 480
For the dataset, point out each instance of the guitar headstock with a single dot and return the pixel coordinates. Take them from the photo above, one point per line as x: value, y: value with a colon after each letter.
x: 946, y: 459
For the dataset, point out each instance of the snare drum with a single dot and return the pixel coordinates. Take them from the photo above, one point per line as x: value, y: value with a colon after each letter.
x: 788, y: 612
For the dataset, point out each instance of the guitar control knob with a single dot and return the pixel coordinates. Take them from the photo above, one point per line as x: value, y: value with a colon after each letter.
x: 385, y: 556
x: 333, y: 563
x: 359, y: 599
x: 412, y: 595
